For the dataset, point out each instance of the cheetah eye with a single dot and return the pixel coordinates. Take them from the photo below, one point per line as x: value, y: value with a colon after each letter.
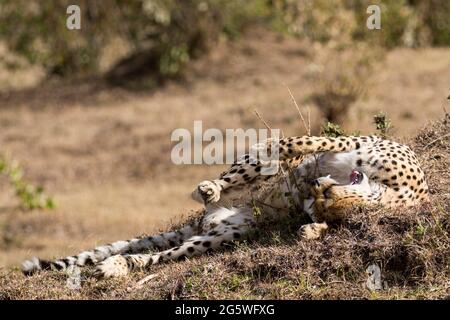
x: 356, y: 177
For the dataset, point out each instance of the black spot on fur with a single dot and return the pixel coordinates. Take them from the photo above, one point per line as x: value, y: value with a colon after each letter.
x: 207, y: 244
x: 66, y: 261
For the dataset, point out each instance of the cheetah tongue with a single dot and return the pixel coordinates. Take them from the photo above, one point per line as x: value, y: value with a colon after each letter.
x: 354, y: 177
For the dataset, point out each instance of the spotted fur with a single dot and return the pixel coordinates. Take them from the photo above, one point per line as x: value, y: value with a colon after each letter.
x: 314, y: 179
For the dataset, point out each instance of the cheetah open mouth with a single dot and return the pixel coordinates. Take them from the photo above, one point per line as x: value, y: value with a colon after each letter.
x: 356, y: 177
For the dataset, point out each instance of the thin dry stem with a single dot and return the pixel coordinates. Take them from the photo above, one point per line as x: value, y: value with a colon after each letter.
x: 263, y: 121
x: 438, y: 139
x: 307, y: 127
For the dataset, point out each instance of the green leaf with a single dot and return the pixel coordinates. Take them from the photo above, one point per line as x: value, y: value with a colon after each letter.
x: 50, y: 204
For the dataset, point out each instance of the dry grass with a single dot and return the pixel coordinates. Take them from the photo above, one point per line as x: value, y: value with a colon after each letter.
x: 410, y: 246
x: 104, y: 154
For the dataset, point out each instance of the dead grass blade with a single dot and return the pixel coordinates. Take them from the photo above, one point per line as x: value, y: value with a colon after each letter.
x: 307, y: 127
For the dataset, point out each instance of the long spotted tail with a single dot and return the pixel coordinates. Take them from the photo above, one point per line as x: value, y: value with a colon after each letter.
x: 136, y: 245
x: 232, y: 225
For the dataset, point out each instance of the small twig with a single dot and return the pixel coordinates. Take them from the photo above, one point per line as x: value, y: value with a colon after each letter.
x: 307, y: 129
x: 436, y: 140
x: 268, y: 205
x: 292, y: 174
x: 309, y: 120
x: 335, y: 281
x: 141, y: 282
x: 286, y: 177
x: 263, y: 121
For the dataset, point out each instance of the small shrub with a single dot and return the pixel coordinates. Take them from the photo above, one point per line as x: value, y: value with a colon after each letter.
x: 30, y: 197
x: 332, y: 130
x: 382, y: 124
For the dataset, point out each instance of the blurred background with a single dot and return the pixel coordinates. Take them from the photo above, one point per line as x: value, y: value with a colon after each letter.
x: 86, y: 115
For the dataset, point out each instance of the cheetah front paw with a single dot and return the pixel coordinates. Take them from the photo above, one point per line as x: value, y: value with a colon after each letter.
x: 312, y: 231
x: 207, y: 192
x: 115, y: 266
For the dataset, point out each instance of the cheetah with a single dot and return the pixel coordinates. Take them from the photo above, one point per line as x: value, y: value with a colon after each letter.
x: 320, y: 176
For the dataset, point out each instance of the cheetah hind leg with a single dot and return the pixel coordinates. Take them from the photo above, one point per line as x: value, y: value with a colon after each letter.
x: 228, y: 229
